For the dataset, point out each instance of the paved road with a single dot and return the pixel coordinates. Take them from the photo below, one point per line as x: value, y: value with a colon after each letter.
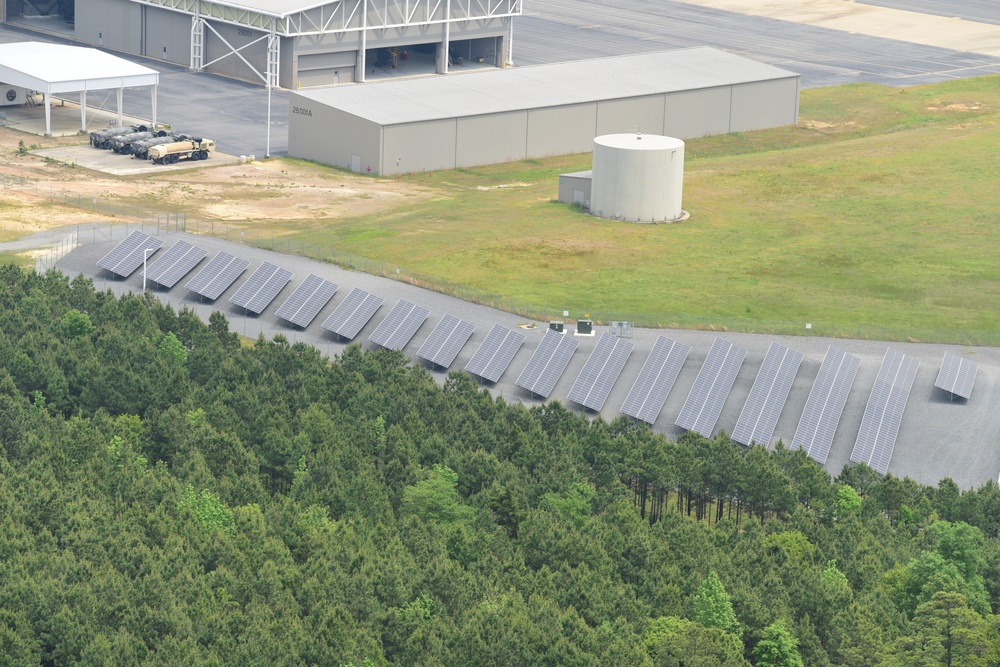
x: 938, y: 438
x: 983, y: 11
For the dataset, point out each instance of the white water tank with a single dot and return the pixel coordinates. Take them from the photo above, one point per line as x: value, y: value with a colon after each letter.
x: 637, y: 178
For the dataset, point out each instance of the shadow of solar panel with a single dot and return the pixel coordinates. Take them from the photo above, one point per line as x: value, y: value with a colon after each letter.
x: 599, y: 374
x: 302, y: 307
x: 446, y: 341
x: 767, y: 396
x: 261, y: 288
x: 495, y: 354
x: 884, y: 412
x: 708, y: 395
x: 650, y: 390
x: 825, y: 405
x: 957, y: 375
x: 352, y: 314
x: 175, y: 263
x: 547, y: 364
x: 399, y: 326
x: 128, y: 255
x: 221, y: 272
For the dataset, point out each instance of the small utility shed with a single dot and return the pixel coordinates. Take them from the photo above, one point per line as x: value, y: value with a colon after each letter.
x: 52, y: 69
x: 505, y: 115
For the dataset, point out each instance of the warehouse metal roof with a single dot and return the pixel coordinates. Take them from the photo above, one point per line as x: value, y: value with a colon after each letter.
x: 581, y: 81
x: 55, y: 68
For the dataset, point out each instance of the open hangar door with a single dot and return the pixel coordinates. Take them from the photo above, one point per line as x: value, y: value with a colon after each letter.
x: 386, y: 62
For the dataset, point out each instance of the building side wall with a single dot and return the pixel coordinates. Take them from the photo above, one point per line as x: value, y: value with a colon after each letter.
x: 168, y: 36
x: 634, y: 114
x: 561, y: 130
x: 764, y: 104
x: 424, y: 146
x: 114, y: 24
x: 325, y: 134
x: 569, y: 185
x: 691, y: 114
x: 253, y: 48
x: 491, y: 139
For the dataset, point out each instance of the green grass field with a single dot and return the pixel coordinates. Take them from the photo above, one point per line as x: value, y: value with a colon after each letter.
x: 878, y: 212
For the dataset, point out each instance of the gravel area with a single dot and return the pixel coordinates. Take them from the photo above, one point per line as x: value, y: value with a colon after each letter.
x: 938, y: 437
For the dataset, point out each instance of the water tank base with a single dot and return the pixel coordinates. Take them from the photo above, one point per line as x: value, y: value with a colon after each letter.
x: 681, y: 218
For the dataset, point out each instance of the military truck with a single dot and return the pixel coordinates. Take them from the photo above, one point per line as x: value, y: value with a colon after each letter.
x: 192, y: 149
x: 101, y: 138
x: 123, y: 142
x: 140, y: 149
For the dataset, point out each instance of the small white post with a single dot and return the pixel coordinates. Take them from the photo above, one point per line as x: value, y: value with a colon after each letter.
x: 145, y: 256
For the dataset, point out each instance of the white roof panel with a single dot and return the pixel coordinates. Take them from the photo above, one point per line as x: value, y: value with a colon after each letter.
x: 578, y: 82
x: 59, y: 69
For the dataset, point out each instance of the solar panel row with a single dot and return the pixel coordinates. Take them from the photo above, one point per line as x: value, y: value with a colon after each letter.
x: 221, y: 272
x: 708, y: 395
x: 129, y: 255
x: 352, y: 314
x: 957, y: 375
x: 446, y: 341
x: 547, y: 364
x: 174, y: 264
x: 599, y: 374
x: 825, y: 405
x: 302, y: 307
x: 767, y: 397
x: 650, y: 390
x: 884, y: 412
x: 261, y: 288
x: 399, y: 326
x: 495, y: 354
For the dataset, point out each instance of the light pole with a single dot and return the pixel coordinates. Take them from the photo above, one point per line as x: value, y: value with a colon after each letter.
x: 145, y: 256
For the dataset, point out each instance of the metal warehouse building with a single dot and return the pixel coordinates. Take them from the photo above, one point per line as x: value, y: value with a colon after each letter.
x: 500, y: 116
x: 286, y: 43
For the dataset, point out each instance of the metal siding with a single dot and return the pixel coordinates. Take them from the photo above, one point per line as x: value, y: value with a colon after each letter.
x: 328, y: 60
x: 561, y: 130
x: 172, y: 29
x: 238, y: 37
x: 309, y: 136
x: 491, y: 139
x: 325, y: 77
x: 636, y: 114
x: 697, y: 113
x: 764, y: 104
x: 426, y: 146
x: 118, y: 22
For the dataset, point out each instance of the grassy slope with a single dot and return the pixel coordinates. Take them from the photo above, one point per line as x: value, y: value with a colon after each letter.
x: 879, y: 209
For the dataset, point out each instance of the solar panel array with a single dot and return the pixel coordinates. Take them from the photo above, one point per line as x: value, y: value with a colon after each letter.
x: 175, y: 263
x: 957, y: 375
x: 353, y: 313
x: 708, y: 395
x: 399, y: 326
x: 599, y: 374
x: 128, y: 255
x: 547, y: 364
x: 302, y: 307
x: 221, y: 272
x: 884, y: 412
x: 495, y: 354
x: 261, y: 288
x: 825, y: 405
x: 650, y: 390
x: 446, y: 341
x: 767, y: 396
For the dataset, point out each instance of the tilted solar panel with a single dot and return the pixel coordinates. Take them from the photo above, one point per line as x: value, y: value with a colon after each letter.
x: 352, y: 314
x: 760, y: 413
x: 708, y: 395
x: 175, y: 263
x: 650, y: 390
x: 399, y: 326
x: 825, y: 405
x: 302, y: 307
x: 884, y: 412
x: 128, y: 255
x: 221, y: 272
x: 547, y: 364
x: 261, y: 288
x: 957, y: 375
x: 599, y: 374
x: 495, y: 354
x: 446, y: 341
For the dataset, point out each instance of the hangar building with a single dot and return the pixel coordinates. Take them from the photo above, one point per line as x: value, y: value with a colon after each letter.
x: 425, y: 124
x: 286, y: 43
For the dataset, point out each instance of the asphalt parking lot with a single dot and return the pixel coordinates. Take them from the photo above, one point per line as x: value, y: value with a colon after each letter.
x: 938, y: 437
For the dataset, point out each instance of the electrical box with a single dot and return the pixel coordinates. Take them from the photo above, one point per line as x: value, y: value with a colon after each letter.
x: 557, y: 326
x: 585, y: 327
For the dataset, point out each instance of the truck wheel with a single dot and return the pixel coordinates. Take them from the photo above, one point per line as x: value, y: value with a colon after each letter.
x: 204, y: 155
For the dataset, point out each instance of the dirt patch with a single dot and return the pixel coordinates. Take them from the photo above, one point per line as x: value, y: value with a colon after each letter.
x: 485, y: 188
x: 34, y: 191
x: 957, y: 106
x: 820, y: 125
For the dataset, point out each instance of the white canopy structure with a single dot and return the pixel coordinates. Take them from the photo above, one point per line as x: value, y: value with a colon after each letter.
x: 53, y: 68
